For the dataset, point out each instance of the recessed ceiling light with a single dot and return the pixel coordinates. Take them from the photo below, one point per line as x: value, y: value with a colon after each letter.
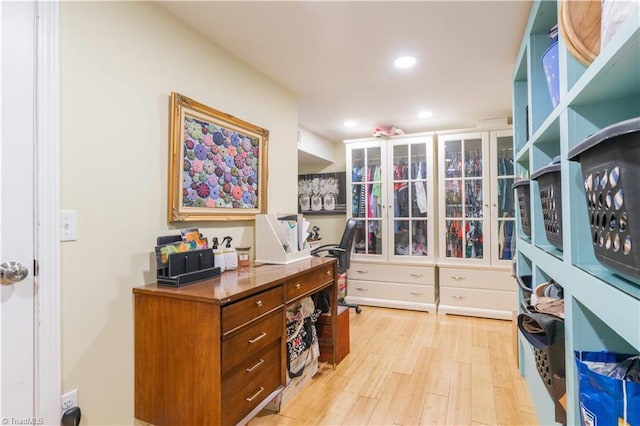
x: 350, y: 123
x: 425, y: 114
x: 404, y: 62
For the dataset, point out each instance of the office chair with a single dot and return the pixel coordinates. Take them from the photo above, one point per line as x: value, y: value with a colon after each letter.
x: 342, y: 252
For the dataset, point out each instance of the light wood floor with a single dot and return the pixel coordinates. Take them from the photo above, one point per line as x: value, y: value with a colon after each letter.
x: 410, y: 368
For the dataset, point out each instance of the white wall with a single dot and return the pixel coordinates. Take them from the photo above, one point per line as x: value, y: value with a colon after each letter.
x: 119, y: 63
x: 331, y: 226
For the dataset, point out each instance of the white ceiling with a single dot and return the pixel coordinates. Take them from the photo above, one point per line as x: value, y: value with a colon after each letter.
x: 337, y: 57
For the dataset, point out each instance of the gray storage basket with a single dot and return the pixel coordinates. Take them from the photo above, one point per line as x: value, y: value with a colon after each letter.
x: 524, y: 203
x: 551, y: 198
x: 610, y: 162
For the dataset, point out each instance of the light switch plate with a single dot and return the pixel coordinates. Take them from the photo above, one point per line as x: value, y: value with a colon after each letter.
x: 68, y: 225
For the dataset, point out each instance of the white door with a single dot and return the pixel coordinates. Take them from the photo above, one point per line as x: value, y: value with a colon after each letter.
x: 17, y: 26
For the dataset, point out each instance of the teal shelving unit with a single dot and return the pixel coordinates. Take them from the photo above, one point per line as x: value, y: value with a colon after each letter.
x: 602, y: 309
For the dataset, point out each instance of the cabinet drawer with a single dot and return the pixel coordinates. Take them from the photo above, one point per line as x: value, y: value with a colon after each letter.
x: 307, y: 283
x: 243, y: 311
x: 477, y: 278
x: 482, y: 299
x: 252, y: 340
x: 409, y: 274
x: 385, y: 291
x: 253, y: 380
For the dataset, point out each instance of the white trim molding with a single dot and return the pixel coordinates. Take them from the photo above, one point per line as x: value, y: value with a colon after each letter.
x: 48, y: 356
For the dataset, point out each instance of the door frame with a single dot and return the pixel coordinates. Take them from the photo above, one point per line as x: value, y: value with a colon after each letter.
x: 47, y: 303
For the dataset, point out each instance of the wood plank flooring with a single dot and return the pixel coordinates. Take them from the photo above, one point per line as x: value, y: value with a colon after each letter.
x: 416, y: 368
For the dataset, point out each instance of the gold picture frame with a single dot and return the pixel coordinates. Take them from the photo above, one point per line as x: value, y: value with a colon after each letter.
x: 217, y: 164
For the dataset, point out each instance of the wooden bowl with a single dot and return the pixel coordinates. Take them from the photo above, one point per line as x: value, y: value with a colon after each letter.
x: 579, y: 25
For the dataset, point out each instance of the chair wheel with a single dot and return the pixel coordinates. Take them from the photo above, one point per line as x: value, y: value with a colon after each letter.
x: 358, y: 310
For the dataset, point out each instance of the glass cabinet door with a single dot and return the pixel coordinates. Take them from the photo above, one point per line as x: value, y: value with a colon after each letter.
x: 503, y: 203
x: 464, y: 177
x: 366, y: 199
x: 411, y: 192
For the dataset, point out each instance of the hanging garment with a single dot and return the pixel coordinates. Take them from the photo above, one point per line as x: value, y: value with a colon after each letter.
x: 421, y: 193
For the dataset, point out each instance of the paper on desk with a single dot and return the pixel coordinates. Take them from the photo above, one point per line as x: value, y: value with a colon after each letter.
x: 290, y: 228
x: 303, y: 231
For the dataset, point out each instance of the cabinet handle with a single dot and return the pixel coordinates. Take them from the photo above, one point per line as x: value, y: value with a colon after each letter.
x: 459, y: 297
x: 458, y: 278
x: 258, y: 364
x: 416, y: 275
x: 328, y: 272
x: 415, y: 293
x: 260, y: 337
x: 361, y: 289
x: 360, y: 271
x: 298, y: 286
x: 252, y: 397
x: 259, y: 303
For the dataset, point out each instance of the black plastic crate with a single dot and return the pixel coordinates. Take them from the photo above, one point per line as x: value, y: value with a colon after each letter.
x: 610, y: 162
x: 551, y: 198
x: 524, y: 203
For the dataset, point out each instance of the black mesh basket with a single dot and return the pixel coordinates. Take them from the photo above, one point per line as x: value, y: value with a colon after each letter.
x: 524, y: 203
x: 610, y: 162
x: 548, y: 347
x: 524, y: 282
x: 551, y: 198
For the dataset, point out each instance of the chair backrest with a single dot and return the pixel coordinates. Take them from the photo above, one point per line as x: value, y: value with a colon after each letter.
x: 346, y: 243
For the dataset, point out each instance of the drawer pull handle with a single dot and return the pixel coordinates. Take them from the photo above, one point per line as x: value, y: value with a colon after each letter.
x: 298, y: 286
x: 416, y: 275
x: 259, y: 303
x: 258, y: 364
x: 361, y: 289
x: 252, y: 397
x: 328, y: 272
x: 459, y: 297
x: 415, y: 293
x: 458, y: 278
x: 360, y: 271
x: 260, y: 337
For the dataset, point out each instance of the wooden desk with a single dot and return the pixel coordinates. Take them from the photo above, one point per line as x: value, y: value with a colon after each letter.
x: 220, y: 342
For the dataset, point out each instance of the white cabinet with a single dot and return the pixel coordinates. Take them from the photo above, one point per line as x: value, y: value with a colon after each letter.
x: 476, y: 222
x: 391, y: 190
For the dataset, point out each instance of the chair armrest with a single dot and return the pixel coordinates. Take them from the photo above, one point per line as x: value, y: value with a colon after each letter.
x: 326, y: 247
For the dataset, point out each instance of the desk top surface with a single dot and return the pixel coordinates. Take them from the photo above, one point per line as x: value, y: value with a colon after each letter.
x: 237, y: 284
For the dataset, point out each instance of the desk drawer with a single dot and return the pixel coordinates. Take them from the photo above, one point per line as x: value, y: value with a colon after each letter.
x: 245, y: 387
x: 307, y: 283
x: 252, y: 340
x: 401, y: 274
x: 398, y: 292
x: 243, y: 311
x: 482, y: 299
x: 484, y: 279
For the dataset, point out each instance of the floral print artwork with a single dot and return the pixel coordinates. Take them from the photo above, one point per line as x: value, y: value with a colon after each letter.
x: 220, y: 167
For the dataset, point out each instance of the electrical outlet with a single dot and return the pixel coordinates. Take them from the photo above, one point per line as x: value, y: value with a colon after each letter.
x: 69, y: 400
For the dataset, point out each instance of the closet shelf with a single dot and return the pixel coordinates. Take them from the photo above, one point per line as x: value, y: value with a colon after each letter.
x: 595, y: 287
x: 614, y: 73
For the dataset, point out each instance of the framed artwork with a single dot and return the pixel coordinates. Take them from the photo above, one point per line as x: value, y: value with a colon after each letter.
x: 217, y: 164
x: 322, y: 193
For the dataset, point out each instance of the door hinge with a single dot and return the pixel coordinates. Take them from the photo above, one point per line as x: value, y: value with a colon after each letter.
x: 35, y: 267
